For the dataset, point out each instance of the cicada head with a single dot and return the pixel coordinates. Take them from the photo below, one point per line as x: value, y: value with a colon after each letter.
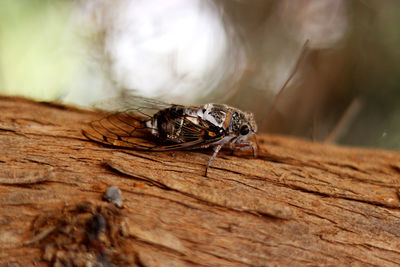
x: 243, y: 125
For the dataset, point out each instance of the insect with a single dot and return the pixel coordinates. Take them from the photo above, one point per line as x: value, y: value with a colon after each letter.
x: 174, y: 127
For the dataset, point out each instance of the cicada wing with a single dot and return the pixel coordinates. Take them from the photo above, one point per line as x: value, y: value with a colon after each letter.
x: 193, y: 133
x: 127, y: 102
x: 130, y: 130
x: 122, y: 129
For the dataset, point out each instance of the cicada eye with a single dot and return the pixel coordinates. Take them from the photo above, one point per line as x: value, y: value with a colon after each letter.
x: 244, y: 129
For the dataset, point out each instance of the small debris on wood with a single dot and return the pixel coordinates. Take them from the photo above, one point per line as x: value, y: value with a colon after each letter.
x: 114, y: 195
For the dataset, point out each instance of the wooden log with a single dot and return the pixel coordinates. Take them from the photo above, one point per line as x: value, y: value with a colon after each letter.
x: 298, y: 203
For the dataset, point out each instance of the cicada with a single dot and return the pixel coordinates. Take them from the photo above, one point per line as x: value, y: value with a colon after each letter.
x: 174, y: 127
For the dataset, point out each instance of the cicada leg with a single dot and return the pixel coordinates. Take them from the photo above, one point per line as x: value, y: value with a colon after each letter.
x: 216, y: 150
x: 255, y: 146
x: 245, y: 145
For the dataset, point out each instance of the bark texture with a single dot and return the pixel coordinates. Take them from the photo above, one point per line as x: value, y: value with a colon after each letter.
x: 298, y: 203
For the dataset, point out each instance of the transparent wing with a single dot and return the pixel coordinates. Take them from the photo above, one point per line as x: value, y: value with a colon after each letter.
x: 129, y: 130
x: 121, y: 129
x: 130, y: 103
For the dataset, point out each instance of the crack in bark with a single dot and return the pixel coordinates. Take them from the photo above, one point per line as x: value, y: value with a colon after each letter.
x: 162, y: 186
x: 294, y: 162
x: 338, y: 196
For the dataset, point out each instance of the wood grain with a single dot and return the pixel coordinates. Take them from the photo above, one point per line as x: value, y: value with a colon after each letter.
x: 298, y: 203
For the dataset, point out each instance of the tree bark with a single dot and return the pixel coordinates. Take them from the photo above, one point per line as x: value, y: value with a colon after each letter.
x: 297, y: 203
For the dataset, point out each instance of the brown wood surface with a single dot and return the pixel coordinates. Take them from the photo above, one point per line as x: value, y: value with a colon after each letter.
x: 298, y: 203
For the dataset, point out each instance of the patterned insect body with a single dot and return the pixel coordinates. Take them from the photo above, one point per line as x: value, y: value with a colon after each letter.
x: 178, y: 127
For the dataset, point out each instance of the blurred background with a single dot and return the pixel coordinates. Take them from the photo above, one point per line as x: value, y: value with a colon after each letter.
x: 323, y: 70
